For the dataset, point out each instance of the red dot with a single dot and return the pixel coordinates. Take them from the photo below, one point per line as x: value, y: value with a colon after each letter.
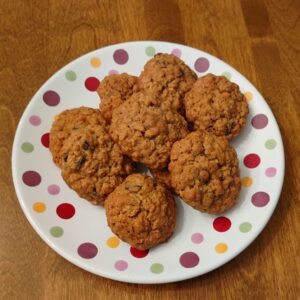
x: 45, y: 140
x: 65, y: 210
x: 138, y: 253
x: 251, y: 160
x: 92, y: 84
x: 221, y: 224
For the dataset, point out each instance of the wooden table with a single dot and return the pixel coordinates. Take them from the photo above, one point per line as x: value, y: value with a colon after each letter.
x: 259, y: 38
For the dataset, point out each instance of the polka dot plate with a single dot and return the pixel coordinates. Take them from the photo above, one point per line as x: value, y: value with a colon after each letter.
x: 78, y: 231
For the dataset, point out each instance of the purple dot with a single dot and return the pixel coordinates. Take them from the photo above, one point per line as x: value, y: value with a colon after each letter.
x: 176, y: 52
x: 120, y: 56
x: 201, y: 64
x: 35, y: 120
x: 271, y: 172
x: 189, y: 259
x: 260, y: 199
x: 87, y: 250
x: 111, y: 72
x: 51, y: 98
x: 121, y: 265
x: 53, y: 189
x: 259, y: 121
x: 31, y: 178
x: 197, y: 238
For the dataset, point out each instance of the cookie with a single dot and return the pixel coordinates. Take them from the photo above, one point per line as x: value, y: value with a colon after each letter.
x: 114, y: 90
x: 162, y: 176
x: 141, y: 212
x: 169, y: 78
x: 145, y: 132
x: 204, y: 171
x: 216, y: 105
x: 92, y: 164
x: 66, y: 122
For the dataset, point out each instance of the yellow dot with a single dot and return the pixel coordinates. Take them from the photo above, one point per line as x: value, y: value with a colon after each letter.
x: 113, y: 242
x: 247, y: 181
x: 95, y: 62
x: 39, y: 207
x: 221, y: 248
x: 248, y: 96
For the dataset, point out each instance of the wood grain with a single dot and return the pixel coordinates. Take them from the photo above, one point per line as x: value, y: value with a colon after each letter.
x: 259, y: 38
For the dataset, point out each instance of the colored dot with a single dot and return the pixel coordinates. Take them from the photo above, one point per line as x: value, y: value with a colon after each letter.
x: 270, y: 144
x: 31, y: 178
x: 176, y: 52
x: 27, y: 147
x: 71, y: 75
x: 121, y: 265
x: 248, y: 96
x: 120, y: 56
x: 92, y: 84
x: 35, y: 120
x: 270, y: 172
x: 65, y: 210
x: 247, y: 181
x: 111, y: 72
x: 259, y: 121
x: 87, y: 250
x: 95, y: 62
x: 113, y: 242
x: 150, y: 51
x: 45, y: 140
x: 39, y: 207
x: 227, y: 75
x: 51, y: 98
x: 221, y: 224
x: 53, y: 189
x: 221, y: 248
x: 245, y: 227
x: 201, y: 64
x: 189, y: 259
x: 260, y: 199
x: 197, y: 238
x: 251, y: 160
x: 56, y: 231
x: 138, y: 253
x: 157, y: 268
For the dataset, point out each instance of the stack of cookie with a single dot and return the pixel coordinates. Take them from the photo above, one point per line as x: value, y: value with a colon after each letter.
x: 170, y: 121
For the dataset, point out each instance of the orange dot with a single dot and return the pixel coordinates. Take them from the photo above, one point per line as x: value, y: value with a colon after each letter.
x: 247, y: 181
x: 248, y: 96
x: 221, y: 248
x: 113, y: 242
x: 95, y: 62
x: 39, y: 207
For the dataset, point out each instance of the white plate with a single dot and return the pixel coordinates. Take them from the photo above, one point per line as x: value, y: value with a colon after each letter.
x: 78, y: 231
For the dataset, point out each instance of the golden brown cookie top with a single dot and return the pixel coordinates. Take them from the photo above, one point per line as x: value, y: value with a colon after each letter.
x: 141, y: 211
x: 205, y: 172
x: 163, y: 176
x: 216, y: 105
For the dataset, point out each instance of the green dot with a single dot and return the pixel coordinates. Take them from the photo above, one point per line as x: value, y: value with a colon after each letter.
x: 227, y: 75
x: 56, y: 231
x: 27, y: 147
x: 157, y: 268
x: 71, y: 75
x: 245, y: 227
x: 150, y: 51
x: 270, y: 144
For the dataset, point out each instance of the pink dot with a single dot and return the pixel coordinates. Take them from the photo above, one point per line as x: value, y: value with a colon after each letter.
x: 87, y: 250
x: 45, y: 140
x: 35, y: 120
x: 53, y: 189
x: 51, y: 98
x: 121, y: 265
x: 138, y: 253
x: 259, y: 121
x: 201, y: 64
x: 176, y: 52
x: 260, y: 199
x: 120, y: 56
x: 111, y: 72
x: 251, y: 160
x: 271, y: 172
x: 221, y: 224
x: 92, y: 84
x: 65, y: 210
x: 197, y: 238
x: 31, y: 178
x: 189, y: 259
